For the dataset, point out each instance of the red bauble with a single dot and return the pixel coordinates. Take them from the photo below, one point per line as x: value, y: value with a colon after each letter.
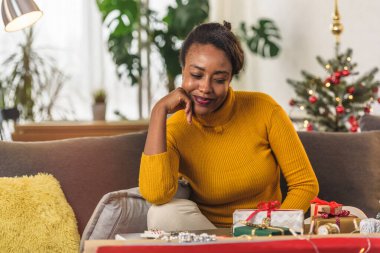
x: 345, y: 72
x: 339, y: 109
x: 292, y: 102
x: 378, y: 100
x: 354, y: 128
x: 351, y: 89
x: 335, y: 80
x: 337, y: 74
x: 375, y: 89
x: 313, y: 99
x: 367, y: 110
x: 352, y: 119
x: 309, y: 127
x: 328, y: 80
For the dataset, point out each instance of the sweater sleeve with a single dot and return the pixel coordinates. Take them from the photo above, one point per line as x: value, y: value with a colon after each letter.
x: 293, y: 161
x: 158, y: 179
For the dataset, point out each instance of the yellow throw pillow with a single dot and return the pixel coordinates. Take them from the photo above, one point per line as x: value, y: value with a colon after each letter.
x: 35, y: 216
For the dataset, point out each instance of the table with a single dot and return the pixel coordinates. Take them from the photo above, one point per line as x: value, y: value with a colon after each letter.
x: 56, y: 130
x: 346, y: 243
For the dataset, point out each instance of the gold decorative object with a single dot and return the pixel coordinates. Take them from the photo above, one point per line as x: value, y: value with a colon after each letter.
x: 336, y: 27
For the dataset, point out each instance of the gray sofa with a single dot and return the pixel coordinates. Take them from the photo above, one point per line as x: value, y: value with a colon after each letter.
x: 347, y: 166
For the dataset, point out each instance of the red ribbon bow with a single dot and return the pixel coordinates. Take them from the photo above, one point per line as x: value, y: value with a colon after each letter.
x: 332, y: 204
x: 268, y: 206
x: 343, y: 213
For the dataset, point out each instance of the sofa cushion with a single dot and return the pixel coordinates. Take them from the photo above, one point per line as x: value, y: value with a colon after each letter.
x: 347, y: 166
x: 369, y: 122
x: 87, y: 168
x: 35, y: 216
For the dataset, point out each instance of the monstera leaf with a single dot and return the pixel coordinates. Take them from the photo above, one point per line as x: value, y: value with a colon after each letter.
x: 263, y: 38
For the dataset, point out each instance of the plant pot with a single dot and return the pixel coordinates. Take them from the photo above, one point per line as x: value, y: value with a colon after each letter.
x: 99, y: 111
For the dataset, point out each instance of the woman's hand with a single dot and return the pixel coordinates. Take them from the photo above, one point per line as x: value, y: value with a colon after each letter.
x: 175, y: 101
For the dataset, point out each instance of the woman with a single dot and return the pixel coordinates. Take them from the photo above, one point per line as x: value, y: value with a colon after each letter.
x: 230, y: 146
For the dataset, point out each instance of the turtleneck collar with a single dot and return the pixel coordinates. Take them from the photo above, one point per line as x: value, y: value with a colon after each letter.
x: 220, y: 117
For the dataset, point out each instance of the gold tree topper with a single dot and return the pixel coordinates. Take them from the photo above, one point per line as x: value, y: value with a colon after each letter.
x: 336, y: 27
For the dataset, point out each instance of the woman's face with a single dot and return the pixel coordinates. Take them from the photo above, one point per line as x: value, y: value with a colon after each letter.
x: 206, y: 77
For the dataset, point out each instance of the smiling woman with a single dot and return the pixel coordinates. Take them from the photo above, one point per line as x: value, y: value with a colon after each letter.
x: 230, y: 146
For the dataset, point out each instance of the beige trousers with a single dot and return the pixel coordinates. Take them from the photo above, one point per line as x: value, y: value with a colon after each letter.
x: 177, y: 215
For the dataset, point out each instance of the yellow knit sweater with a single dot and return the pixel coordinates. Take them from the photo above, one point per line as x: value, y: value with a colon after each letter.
x: 232, y: 159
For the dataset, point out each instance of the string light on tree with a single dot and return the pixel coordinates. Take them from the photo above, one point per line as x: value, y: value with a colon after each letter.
x: 334, y: 100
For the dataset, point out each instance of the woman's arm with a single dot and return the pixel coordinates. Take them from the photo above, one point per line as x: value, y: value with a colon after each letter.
x: 292, y: 158
x: 156, y: 139
x: 158, y: 178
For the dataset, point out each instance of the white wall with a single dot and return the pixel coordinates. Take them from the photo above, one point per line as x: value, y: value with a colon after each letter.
x: 304, y: 26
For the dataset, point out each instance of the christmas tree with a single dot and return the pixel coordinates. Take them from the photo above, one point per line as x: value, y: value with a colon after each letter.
x: 336, y: 101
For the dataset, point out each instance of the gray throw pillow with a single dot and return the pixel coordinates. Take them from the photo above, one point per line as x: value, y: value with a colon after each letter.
x: 369, y: 123
x: 122, y: 212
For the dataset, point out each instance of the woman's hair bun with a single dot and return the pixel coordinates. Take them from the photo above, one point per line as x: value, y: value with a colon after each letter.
x: 227, y: 25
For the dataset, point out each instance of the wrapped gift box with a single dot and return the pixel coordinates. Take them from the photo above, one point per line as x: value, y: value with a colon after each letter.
x: 257, y: 231
x: 345, y: 224
x: 318, y: 206
x: 289, y: 218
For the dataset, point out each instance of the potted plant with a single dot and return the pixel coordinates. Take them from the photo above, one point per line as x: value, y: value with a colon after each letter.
x: 30, y: 81
x: 99, y: 106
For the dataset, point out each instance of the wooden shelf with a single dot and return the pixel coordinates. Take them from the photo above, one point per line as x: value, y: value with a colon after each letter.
x: 56, y: 130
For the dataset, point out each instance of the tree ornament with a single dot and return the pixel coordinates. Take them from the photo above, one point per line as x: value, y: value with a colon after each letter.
x: 337, y: 26
x: 339, y: 109
x: 337, y: 74
x: 378, y: 100
x: 345, y: 72
x: 309, y: 127
x: 292, y: 102
x: 313, y: 99
x: 354, y: 129
x: 351, y: 90
x: 352, y: 119
x: 367, y: 110
x: 335, y: 80
x: 375, y: 89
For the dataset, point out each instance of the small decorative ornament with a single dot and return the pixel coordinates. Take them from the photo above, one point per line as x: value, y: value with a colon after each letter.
x: 154, y: 234
x: 337, y: 74
x: 378, y: 100
x: 313, y: 99
x: 367, y: 110
x: 328, y: 228
x: 375, y: 89
x: 292, y: 102
x: 335, y: 80
x: 354, y: 129
x: 345, y: 72
x: 309, y: 127
x: 339, y: 109
x: 351, y: 90
x: 186, y: 237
